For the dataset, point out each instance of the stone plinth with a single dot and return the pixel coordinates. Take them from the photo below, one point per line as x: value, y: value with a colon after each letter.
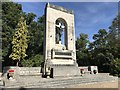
x: 65, y: 70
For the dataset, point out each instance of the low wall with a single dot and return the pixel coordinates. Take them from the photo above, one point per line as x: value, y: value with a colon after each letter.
x: 29, y: 71
x: 23, y: 70
x: 88, y: 69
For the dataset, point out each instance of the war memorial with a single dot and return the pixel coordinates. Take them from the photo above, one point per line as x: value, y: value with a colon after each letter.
x: 60, y: 57
x: 60, y: 69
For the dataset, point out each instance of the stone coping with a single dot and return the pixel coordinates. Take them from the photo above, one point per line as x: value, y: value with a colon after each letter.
x: 23, y: 70
x: 59, y: 8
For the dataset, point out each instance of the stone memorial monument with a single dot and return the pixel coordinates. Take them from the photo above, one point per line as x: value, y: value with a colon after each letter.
x: 59, y: 42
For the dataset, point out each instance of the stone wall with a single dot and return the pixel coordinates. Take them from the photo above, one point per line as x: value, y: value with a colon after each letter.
x: 29, y: 70
x: 21, y: 71
x: 88, y: 69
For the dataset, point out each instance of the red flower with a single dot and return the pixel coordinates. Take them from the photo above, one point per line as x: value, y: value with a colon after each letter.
x: 11, y: 70
x: 81, y: 69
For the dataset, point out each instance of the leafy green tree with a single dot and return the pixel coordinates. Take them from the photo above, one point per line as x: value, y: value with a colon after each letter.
x: 82, y: 51
x: 27, y: 63
x: 0, y: 34
x: 100, y: 51
x: 115, y: 67
x: 100, y: 38
x: 33, y: 62
x: 19, y: 42
x: 114, y: 32
x: 114, y: 37
x: 36, y: 30
x: 35, y: 49
x: 11, y: 12
x: 114, y: 43
x: 10, y: 15
x: 82, y: 42
x: 30, y: 18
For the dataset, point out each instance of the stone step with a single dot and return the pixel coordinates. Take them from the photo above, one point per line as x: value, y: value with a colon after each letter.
x: 2, y: 83
x: 58, y: 82
x: 65, y: 83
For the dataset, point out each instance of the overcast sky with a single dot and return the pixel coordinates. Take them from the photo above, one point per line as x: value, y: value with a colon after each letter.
x: 89, y: 16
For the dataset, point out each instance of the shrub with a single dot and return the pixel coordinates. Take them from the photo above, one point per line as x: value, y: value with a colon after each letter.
x: 115, y: 67
x: 33, y: 62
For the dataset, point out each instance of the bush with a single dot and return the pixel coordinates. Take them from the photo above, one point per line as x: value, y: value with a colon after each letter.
x: 27, y: 63
x: 37, y: 60
x: 33, y: 62
x: 115, y: 67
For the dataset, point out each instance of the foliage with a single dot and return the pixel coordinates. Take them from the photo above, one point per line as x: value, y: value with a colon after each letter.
x: 103, y: 51
x: 114, y: 43
x: 82, y: 52
x: 36, y: 38
x: 27, y: 63
x: 100, y: 50
x: 33, y: 62
x: 82, y: 41
x: 115, y: 67
x: 11, y: 12
x: 19, y: 42
x: 114, y: 37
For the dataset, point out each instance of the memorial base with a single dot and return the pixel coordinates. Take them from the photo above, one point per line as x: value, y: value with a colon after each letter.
x: 65, y: 70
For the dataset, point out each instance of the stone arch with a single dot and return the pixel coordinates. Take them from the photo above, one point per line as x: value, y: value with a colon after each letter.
x: 61, y: 31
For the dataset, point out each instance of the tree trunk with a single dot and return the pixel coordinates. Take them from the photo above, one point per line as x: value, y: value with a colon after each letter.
x: 17, y: 64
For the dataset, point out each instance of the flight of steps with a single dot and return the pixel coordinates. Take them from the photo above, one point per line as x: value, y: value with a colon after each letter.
x: 38, y: 82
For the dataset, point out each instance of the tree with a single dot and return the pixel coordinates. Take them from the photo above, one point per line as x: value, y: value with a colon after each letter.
x: 36, y: 30
x: 19, y: 42
x: 35, y: 49
x: 114, y: 43
x: 115, y: 67
x: 82, y: 42
x: 33, y: 62
x: 10, y: 15
x: 114, y: 37
x: 11, y: 12
x: 100, y: 38
x: 82, y: 51
x: 99, y: 48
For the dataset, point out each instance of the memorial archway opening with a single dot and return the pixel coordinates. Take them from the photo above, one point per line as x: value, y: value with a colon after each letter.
x: 61, y: 31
